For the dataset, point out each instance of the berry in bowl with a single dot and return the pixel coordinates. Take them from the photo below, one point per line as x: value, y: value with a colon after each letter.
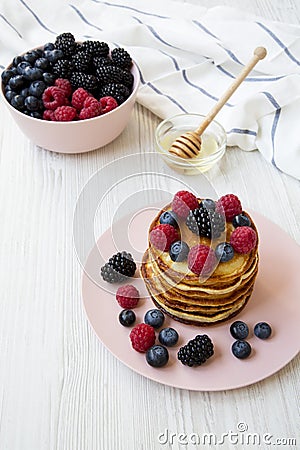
x: 69, y: 96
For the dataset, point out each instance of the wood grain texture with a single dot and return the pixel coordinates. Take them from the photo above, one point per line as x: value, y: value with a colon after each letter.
x: 60, y: 388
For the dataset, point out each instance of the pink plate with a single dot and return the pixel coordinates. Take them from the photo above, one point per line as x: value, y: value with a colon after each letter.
x: 275, y: 300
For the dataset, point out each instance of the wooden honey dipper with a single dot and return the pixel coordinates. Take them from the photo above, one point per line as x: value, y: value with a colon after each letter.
x: 188, y: 145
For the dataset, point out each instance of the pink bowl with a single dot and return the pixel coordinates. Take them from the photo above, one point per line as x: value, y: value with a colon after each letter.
x: 78, y: 136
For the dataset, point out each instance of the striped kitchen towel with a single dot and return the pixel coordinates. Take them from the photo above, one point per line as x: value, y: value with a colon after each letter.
x: 187, y: 55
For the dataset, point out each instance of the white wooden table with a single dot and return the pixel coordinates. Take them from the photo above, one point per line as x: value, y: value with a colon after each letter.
x: 60, y: 389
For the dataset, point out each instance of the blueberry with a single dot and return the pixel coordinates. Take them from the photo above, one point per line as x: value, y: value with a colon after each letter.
x: 17, y: 60
x: 154, y: 317
x: 14, y: 70
x: 49, y: 46
x: 42, y: 63
x: 37, y: 88
x: 179, y: 251
x: 209, y: 204
x: 241, y: 349
x: 22, y: 66
x: 17, y: 102
x: 168, y: 337
x: 31, y: 56
x: 32, y: 73
x: 53, y: 55
x: 36, y: 115
x: 157, y: 356
x: 49, y: 78
x: 25, y: 92
x: 224, y: 252
x: 239, y: 330
x: 7, y: 75
x: 241, y: 220
x: 169, y: 217
x: 9, y: 95
x: 32, y: 103
x: 127, y: 317
x: 17, y: 82
x: 262, y: 330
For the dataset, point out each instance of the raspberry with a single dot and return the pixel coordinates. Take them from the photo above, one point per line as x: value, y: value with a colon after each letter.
x: 65, y: 113
x: 78, y: 98
x: 53, y: 97
x: 107, y: 104
x: 48, y: 114
x: 230, y: 205
x: 243, y: 239
x: 142, y: 337
x: 201, y: 259
x: 127, y: 296
x: 93, y: 110
x: 90, y: 101
x: 64, y: 85
x: 163, y: 235
x: 183, y: 202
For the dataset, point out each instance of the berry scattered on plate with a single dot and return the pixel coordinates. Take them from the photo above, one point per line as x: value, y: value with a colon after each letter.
x: 241, y: 349
x: 157, y: 356
x: 154, y: 317
x: 262, y: 330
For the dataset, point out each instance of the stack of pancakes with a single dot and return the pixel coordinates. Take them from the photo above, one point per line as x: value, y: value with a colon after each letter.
x: 191, y: 299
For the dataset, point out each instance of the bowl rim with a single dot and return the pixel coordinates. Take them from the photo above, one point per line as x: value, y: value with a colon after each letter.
x: 137, y: 78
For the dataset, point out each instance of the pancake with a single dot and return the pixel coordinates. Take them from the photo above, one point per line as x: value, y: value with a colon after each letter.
x: 190, y: 298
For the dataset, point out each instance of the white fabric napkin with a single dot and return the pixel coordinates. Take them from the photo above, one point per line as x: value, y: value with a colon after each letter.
x: 187, y: 55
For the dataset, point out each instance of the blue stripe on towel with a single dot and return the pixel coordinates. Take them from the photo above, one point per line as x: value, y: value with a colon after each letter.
x: 203, y: 91
x: 84, y: 19
x: 11, y: 26
x: 36, y: 17
x: 200, y: 25
x: 172, y: 58
x: 155, y: 34
x: 130, y: 8
x: 275, y: 123
x: 250, y: 79
x: 155, y: 89
x: 279, y: 42
x: 229, y: 52
x: 242, y: 131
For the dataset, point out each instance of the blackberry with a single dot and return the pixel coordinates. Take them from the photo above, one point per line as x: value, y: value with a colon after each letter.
x: 95, y: 48
x: 66, y: 43
x: 127, y: 79
x: 206, y: 223
x: 81, y: 61
x: 63, y: 68
x: 196, y: 351
x: 118, y: 267
x: 84, y: 80
x: 109, y: 74
x: 100, y: 61
x: 116, y: 90
x: 121, y: 58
